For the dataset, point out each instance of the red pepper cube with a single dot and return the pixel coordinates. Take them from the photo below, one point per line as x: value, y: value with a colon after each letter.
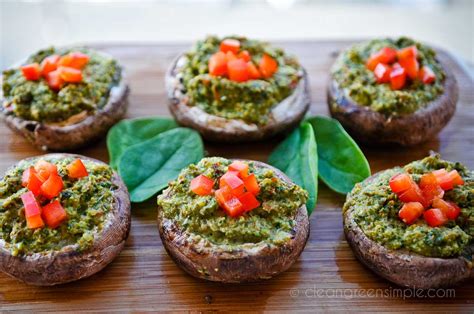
x: 435, y: 217
x: 410, y: 212
x: 455, y: 177
x: 397, y: 78
x: 235, y: 184
x: 413, y: 194
x: 244, y: 55
x: 54, y: 214
x: 411, y: 67
x: 76, y: 60
x: 237, y: 70
x: 70, y: 75
x: 52, y: 187
x: 251, y: 184
x: 267, y: 66
x: 55, y: 82
x: 240, y: 167
x: 201, y: 185
x: 76, y: 169
x: 32, y: 181
x: 387, y: 55
x: 45, y: 169
x: 233, y: 207
x: 444, y: 180
x: 254, y: 73
x: 223, y: 195
x: 430, y: 188
x: 218, y: 64
x: 407, y: 52
x: 32, y: 211
x: 382, y: 73
x: 450, y: 209
x: 230, y: 44
x: 249, y: 201
x: 400, y: 183
x: 49, y: 64
x: 31, y: 72
x: 426, y: 75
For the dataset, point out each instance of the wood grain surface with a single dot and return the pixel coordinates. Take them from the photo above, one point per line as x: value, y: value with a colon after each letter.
x: 327, y: 277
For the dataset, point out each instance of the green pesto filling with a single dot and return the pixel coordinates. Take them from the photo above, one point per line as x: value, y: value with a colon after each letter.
x: 273, y: 222
x: 86, y: 200
x: 34, y: 100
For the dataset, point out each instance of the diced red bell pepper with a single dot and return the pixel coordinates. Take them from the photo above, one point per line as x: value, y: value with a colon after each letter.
x: 444, y: 180
x: 218, y: 64
x: 251, y: 184
x: 435, y: 217
x: 450, y: 209
x: 76, y: 169
x: 76, y: 60
x: 52, y: 187
x: 248, y: 201
x: 201, y: 185
x: 244, y: 55
x: 31, y: 72
x: 397, y: 78
x: 411, y: 67
x: 455, y: 177
x: 55, y: 82
x: 230, y: 44
x: 222, y: 195
x: 382, y: 73
x: 237, y: 70
x: 410, y: 212
x: 233, y: 207
x: 49, y: 64
x: 44, y: 169
x: 426, y: 75
x: 413, y: 194
x: 230, y: 56
x: 32, y: 211
x: 254, y: 73
x: 54, y: 214
x: 70, y: 75
x: 267, y: 66
x: 407, y: 52
x: 235, y: 184
x: 400, y: 183
x: 32, y: 181
x: 430, y: 188
x: 240, y: 167
x: 385, y: 55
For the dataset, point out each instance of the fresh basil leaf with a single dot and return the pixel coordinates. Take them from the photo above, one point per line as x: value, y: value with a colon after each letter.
x: 297, y: 157
x: 130, y: 132
x: 147, y: 167
x: 342, y: 163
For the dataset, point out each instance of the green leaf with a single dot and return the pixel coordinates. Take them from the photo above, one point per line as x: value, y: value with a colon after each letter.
x: 130, y: 132
x: 341, y: 162
x: 147, y: 167
x: 297, y: 157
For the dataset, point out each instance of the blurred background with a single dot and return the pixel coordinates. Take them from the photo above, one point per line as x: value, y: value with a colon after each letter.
x: 29, y: 25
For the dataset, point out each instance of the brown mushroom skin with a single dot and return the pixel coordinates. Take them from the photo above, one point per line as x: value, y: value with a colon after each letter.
x: 402, y: 267
x: 371, y: 127
x: 246, y: 263
x: 218, y: 129
x: 52, y: 137
x: 58, y: 267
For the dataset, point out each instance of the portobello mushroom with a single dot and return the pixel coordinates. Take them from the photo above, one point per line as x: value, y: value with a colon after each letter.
x: 77, y: 130
x: 236, y: 263
x: 283, y: 116
x: 402, y: 266
x: 70, y: 262
x: 409, y: 128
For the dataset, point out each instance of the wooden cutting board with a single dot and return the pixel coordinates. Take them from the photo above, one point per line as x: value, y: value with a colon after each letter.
x: 327, y: 277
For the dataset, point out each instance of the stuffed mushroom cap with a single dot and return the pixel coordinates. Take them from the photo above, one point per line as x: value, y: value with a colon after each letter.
x: 370, y: 126
x: 243, y: 262
x: 403, y: 266
x: 77, y: 130
x: 283, y: 116
x: 68, y: 264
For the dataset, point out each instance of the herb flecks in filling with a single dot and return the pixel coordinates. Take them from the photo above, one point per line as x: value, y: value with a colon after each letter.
x: 375, y: 209
x: 359, y: 83
x: 250, y: 101
x: 35, y: 100
x: 87, y: 202
x: 201, y: 216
